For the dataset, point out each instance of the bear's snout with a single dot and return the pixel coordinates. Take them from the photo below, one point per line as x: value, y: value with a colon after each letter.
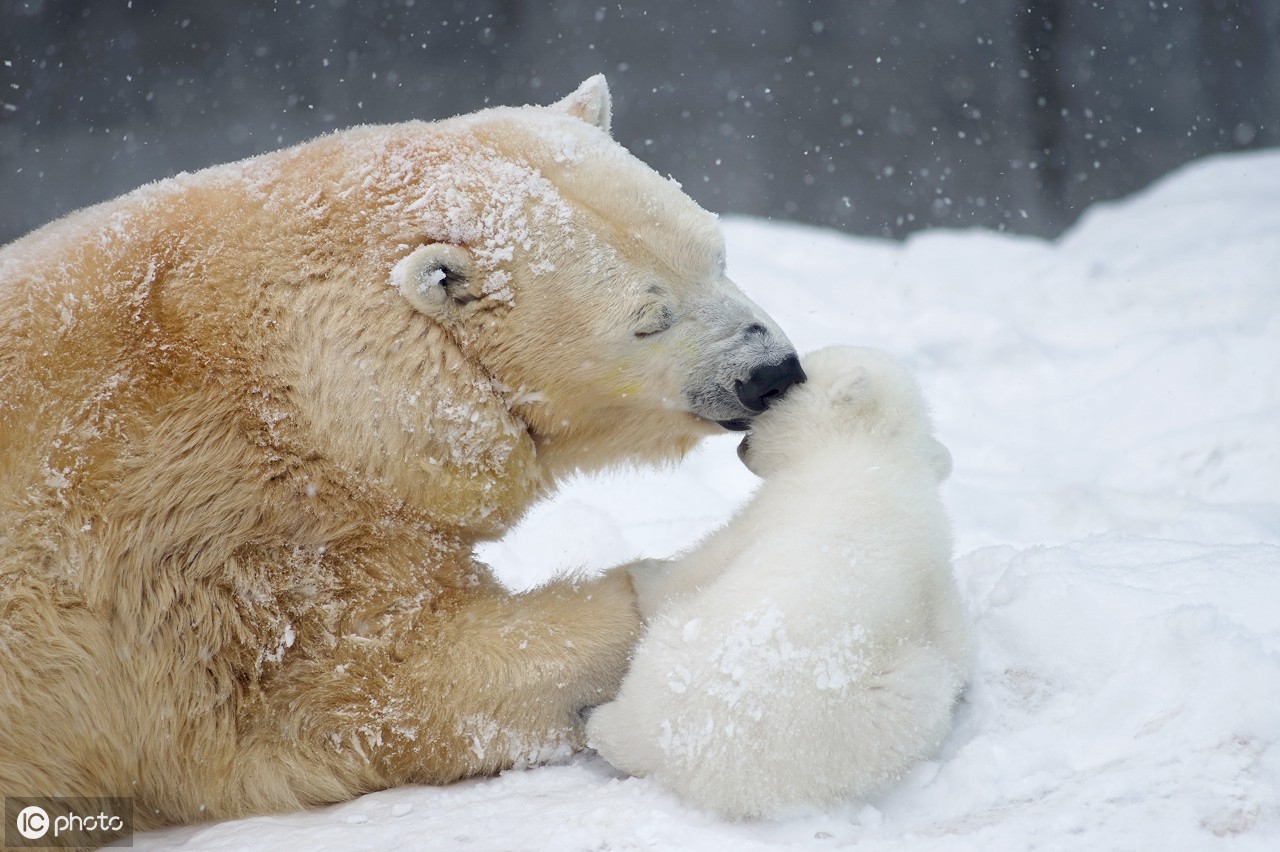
x: 768, y: 383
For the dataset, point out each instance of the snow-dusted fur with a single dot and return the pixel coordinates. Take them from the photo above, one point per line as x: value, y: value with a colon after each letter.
x: 254, y: 421
x: 812, y: 649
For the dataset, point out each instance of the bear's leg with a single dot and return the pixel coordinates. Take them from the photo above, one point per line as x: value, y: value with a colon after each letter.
x: 541, y: 658
x: 493, y: 681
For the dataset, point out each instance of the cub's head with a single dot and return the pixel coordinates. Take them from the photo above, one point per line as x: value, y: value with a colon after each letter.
x: 591, y: 290
x: 852, y: 394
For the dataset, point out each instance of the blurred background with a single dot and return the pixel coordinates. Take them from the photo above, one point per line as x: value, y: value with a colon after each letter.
x: 870, y: 116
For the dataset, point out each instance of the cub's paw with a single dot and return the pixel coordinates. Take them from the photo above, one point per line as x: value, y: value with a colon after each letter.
x: 649, y: 578
x: 607, y: 733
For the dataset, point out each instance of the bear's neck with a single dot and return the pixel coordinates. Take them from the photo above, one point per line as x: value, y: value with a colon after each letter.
x: 404, y: 411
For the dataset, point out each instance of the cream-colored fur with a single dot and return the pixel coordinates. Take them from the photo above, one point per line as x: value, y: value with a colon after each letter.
x: 811, y: 650
x: 254, y: 420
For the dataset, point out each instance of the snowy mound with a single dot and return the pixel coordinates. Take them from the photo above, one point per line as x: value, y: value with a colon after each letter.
x: 1112, y: 402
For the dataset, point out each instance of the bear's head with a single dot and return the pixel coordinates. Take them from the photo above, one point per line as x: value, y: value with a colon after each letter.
x: 852, y: 394
x: 591, y: 290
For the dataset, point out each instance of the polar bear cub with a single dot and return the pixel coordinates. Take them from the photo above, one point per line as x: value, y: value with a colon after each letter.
x: 812, y: 649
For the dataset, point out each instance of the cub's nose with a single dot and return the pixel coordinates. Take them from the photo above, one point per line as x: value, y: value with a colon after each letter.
x: 767, y: 384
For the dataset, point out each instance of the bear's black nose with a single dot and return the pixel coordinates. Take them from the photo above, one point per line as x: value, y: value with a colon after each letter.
x: 768, y: 383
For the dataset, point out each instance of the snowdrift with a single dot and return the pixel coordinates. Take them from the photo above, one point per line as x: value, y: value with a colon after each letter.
x: 1112, y: 402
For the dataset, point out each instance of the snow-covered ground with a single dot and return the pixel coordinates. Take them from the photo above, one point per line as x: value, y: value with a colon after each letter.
x: 1112, y: 401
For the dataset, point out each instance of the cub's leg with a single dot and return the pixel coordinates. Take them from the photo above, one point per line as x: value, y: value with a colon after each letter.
x: 658, y: 581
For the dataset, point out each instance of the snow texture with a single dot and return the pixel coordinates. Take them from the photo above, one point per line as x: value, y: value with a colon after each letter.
x: 1112, y: 402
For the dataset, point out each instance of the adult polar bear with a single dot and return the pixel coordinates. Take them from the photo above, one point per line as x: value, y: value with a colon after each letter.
x: 255, y: 419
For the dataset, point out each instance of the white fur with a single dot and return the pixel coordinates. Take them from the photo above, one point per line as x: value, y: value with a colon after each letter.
x: 811, y: 650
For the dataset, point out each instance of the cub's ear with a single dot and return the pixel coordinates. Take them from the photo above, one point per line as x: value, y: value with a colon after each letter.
x: 438, y: 279
x: 939, y: 459
x: 589, y: 102
x: 854, y: 390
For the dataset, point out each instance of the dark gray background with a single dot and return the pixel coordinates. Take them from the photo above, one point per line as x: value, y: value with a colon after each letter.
x: 870, y: 116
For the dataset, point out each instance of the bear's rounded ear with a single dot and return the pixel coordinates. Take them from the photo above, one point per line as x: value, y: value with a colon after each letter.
x: 437, y: 278
x: 589, y: 102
